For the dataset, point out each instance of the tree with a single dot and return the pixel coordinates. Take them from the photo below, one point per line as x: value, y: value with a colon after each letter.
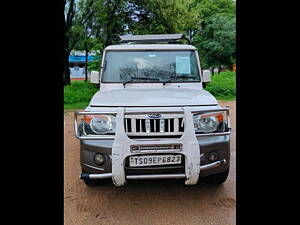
x: 210, y: 8
x: 75, y: 19
x: 215, y: 36
x: 85, y: 27
x: 161, y: 17
x: 109, y: 21
x: 217, y: 43
x: 69, y: 13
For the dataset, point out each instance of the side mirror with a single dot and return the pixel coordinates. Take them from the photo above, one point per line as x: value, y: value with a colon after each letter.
x: 94, y: 77
x: 206, y: 77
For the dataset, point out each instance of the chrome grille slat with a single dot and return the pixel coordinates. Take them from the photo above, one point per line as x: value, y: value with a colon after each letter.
x: 133, y: 125
x: 141, y: 125
x: 125, y: 126
x: 148, y: 124
x: 161, y: 125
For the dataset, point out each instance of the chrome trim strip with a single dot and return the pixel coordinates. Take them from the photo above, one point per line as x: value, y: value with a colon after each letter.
x: 92, y: 167
x: 213, y: 134
x: 228, y: 118
x: 213, y: 165
x: 96, y: 113
x: 94, y: 137
x: 100, y: 176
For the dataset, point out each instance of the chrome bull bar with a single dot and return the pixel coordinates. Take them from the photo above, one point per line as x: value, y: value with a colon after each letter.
x: 121, y: 145
x: 151, y: 176
x: 112, y: 137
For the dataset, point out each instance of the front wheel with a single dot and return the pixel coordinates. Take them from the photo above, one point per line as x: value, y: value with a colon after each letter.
x: 217, y: 179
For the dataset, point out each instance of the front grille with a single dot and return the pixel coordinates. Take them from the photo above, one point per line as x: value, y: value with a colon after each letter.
x: 140, y: 125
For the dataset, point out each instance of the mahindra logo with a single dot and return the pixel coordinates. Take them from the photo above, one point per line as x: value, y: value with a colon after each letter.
x: 154, y: 115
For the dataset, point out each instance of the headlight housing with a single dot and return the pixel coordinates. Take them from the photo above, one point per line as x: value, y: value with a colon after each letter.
x: 208, y: 122
x: 99, y: 124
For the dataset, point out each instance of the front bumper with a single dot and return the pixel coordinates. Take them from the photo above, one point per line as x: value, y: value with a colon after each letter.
x: 220, y: 145
x: 195, y: 150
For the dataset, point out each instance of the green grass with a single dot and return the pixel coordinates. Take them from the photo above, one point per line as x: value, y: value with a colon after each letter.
x: 78, y: 94
x: 223, y: 86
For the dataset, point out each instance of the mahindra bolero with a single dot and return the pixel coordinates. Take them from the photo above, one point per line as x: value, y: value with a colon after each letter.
x: 152, y: 118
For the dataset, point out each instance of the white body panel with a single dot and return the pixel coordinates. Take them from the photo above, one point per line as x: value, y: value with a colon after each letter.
x: 165, y: 96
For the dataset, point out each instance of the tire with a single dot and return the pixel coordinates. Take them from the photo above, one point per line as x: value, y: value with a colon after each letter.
x: 217, y: 179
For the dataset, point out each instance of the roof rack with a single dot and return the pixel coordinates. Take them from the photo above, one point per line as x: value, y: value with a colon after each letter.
x: 153, y: 38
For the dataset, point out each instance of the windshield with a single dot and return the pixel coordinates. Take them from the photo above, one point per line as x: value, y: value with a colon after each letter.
x: 150, y: 66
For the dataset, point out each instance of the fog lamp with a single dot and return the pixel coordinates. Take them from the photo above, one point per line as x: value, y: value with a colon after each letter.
x: 99, y: 159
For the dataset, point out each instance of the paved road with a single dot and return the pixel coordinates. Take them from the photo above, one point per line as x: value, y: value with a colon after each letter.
x: 145, y: 202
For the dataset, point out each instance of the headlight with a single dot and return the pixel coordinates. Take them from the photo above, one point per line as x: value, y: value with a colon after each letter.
x: 100, y: 124
x: 208, y: 122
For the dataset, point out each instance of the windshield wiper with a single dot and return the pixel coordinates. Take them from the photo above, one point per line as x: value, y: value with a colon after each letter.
x: 126, y: 82
x: 178, y: 76
x: 138, y: 78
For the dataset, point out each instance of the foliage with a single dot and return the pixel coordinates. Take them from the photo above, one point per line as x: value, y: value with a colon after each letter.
x: 78, y: 94
x: 111, y: 20
x: 160, y: 16
x: 223, y: 85
x: 217, y: 43
x: 94, y: 65
x: 215, y: 37
x: 210, y: 8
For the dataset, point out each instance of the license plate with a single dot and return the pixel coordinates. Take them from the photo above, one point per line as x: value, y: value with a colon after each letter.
x: 153, y: 160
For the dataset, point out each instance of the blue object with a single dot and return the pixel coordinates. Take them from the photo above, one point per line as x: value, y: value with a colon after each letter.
x: 80, y: 58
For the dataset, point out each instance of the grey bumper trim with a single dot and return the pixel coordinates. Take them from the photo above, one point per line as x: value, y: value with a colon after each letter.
x: 95, y: 168
x: 151, y: 176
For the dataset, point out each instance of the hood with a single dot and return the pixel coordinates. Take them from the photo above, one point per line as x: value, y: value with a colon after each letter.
x: 153, y: 97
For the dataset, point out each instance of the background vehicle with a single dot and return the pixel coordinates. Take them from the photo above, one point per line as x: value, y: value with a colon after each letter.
x: 151, y: 118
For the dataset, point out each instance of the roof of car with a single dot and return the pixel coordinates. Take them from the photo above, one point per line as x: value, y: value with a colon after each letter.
x: 151, y: 47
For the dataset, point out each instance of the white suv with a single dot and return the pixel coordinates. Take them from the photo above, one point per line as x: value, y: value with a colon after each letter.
x: 151, y: 118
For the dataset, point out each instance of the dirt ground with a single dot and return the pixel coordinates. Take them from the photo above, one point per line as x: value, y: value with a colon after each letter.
x: 145, y: 202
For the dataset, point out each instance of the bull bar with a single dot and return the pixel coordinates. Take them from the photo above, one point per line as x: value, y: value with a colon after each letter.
x: 122, y: 142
